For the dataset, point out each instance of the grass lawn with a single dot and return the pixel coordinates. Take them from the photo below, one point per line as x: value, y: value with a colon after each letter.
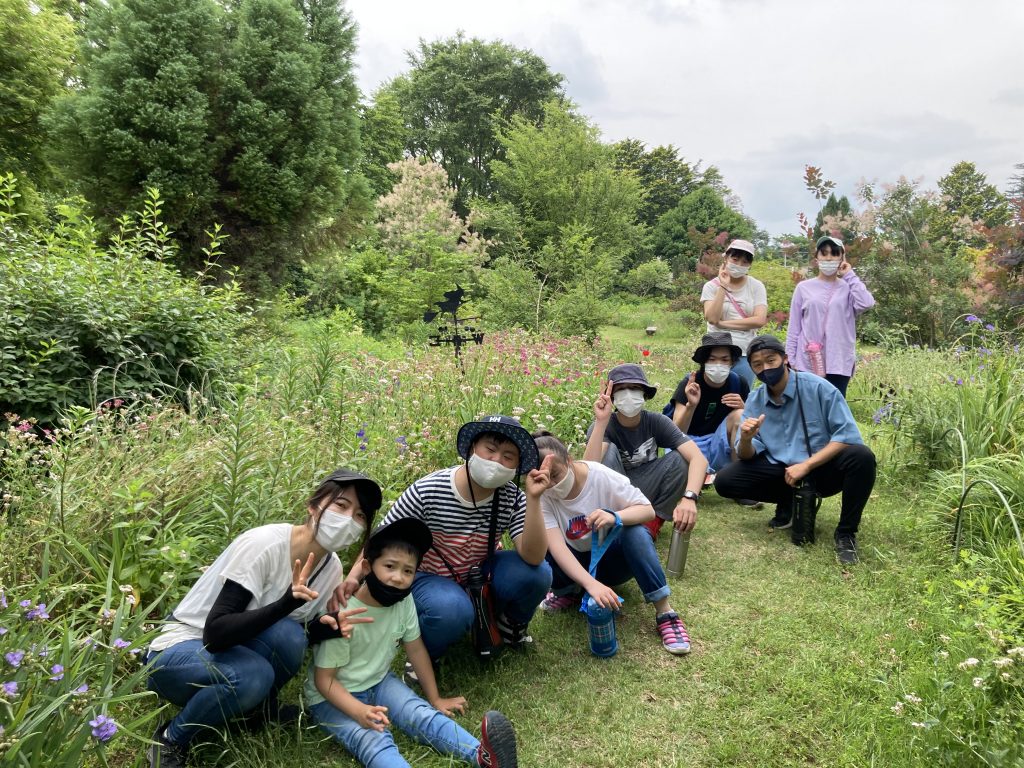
x: 795, y: 660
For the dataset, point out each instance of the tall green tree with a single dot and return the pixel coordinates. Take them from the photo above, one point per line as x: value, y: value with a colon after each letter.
x: 682, y: 233
x: 456, y: 97
x: 835, y: 216
x: 966, y: 200
x: 36, y: 45
x: 382, y: 135
x: 665, y: 177
x: 243, y: 114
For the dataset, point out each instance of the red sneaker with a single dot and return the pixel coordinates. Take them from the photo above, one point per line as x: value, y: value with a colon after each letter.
x: 497, y: 742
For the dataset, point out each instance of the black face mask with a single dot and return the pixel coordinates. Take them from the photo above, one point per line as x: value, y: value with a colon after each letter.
x: 384, y: 594
x: 772, y: 376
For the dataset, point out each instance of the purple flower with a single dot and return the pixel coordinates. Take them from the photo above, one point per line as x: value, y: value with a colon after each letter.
x: 57, y: 671
x: 972, y: 319
x: 14, y: 658
x: 103, y: 728
x: 121, y: 644
x: 3, y: 599
x: 39, y: 612
x: 25, y: 603
x: 10, y: 689
x: 361, y: 434
x: 3, y: 631
x: 403, y: 444
x: 82, y: 689
x: 989, y: 327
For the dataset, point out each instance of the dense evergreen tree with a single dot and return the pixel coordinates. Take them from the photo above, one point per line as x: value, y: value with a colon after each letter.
x: 701, y: 215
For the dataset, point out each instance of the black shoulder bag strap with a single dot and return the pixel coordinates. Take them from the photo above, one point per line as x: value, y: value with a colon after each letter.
x: 803, y: 421
x: 492, y: 536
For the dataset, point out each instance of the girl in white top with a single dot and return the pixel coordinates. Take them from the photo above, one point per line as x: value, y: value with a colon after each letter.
x: 240, y: 633
x: 736, y: 302
x: 586, y: 497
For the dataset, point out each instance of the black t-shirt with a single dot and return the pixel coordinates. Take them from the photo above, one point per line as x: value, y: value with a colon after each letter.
x: 710, y: 411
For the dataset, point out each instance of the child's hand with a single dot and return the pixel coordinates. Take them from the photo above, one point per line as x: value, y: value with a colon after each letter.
x: 343, y: 621
x: 374, y: 717
x: 604, y: 596
x: 449, y: 707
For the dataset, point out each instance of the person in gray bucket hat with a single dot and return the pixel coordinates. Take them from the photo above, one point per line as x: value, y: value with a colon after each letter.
x: 628, y: 440
x: 468, y: 507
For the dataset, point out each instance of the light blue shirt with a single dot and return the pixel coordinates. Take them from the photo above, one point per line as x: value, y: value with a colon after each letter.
x: 781, y: 437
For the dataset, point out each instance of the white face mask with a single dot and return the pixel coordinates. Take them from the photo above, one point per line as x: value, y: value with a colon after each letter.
x: 563, y: 487
x: 737, y: 270
x: 337, y: 532
x: 489, y: 474
x: 828, y: 267
x: 716, y: 373
x: 629, y: 402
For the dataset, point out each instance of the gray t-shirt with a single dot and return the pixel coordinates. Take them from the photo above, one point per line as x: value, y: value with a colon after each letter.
x: 640, y: 444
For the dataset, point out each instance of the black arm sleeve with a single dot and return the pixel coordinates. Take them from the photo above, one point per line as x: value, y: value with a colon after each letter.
x: 229, y: 623
x: 317, y: 632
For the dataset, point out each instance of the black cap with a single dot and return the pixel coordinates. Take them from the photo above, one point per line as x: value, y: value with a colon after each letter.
x: 508, y: 428
x: 410, y: 530
x: 369, y: 491
x: 716, y: 339
x: 767, y: 341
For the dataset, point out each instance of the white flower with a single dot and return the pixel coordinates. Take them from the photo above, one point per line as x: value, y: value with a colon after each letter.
x: 897, y: 708
x: 978, y: 682
x: 1018, y: 651
x: 1005, y: 676
x: 944, y: 654
x: 1003, y: 662
x: 912, y: 698
x: 918, y: 725
x: 971, y: 662
x: 945, y: 638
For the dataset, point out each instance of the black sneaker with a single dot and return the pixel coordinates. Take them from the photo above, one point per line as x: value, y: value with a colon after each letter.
x: 513, y: 632
x: 497, y: 742
x: 164, y: 754
x: 752, y: 503
x: 409, y: 676
x: 846, y: 549
x: 782, y: 520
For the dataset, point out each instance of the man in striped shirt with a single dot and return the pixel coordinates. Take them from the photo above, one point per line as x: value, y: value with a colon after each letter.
x: 457, y: 504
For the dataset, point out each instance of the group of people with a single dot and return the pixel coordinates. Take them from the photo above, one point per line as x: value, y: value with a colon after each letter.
x: 241, y: 632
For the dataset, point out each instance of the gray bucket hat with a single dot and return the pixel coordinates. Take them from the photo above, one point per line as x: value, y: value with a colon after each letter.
x: 631, y: 373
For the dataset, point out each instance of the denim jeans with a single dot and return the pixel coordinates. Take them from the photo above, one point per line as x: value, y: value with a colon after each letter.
x: 407, y: 712
x: 631, y: 555
x: 213, y: 688
x: 446, y: 613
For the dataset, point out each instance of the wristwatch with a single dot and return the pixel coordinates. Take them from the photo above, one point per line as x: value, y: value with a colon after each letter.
x: 691, y: 495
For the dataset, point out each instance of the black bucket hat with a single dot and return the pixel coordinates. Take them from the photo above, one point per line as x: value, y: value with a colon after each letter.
x: 411, y: 530
x: 369, y: 491
x: 716, y: 339
x: 631, y: 373
x: 508, y: 428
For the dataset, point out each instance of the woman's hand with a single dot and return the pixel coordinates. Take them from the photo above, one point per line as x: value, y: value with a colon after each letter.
x: 600, y: 520
x: 373, y: 717
x: 448, y: 707
x: 604, y: 596
x: 343, y: 621
x: 300, y: 575
x: 844, y: 267
x: 724, y: 277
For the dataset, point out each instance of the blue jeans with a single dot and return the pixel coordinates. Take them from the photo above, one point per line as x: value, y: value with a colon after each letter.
x: 744, y: 371
x: 631, y: 556
x: 407, y: 712
x: 446, y: 612
x: 715, y: 447
x: 213, y: 688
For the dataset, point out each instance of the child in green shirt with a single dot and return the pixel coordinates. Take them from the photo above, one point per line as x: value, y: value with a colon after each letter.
x: 354, y: 696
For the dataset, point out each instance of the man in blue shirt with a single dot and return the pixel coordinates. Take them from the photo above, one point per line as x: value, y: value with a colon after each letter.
x: 776, y: 454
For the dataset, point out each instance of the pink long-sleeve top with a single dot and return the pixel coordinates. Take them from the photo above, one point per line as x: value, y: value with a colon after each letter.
x: 807, y: 321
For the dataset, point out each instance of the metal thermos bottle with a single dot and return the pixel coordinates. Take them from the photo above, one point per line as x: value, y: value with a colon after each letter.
x: 677, y: 553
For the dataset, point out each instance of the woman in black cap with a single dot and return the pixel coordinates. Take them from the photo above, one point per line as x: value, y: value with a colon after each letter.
x: 240, y: 633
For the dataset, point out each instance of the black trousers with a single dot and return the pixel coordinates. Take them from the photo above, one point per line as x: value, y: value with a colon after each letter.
x: 851, y: 473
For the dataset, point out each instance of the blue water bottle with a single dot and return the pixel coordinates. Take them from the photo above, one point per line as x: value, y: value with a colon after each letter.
x: 601, y: 625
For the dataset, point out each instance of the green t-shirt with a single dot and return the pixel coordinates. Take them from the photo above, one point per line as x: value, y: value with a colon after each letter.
x: 364, y: 659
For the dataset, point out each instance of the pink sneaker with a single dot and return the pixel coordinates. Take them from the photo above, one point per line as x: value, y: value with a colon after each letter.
x: 553, y: 603
x: 673, y: 634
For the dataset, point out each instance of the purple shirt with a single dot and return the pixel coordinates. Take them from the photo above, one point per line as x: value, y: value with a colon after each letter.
x: 845, y: 298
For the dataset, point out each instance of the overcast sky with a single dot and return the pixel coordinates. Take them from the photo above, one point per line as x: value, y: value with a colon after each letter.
x: 870, y: 89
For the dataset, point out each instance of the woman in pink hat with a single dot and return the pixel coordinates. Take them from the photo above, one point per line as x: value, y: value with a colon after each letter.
x: 736, y: 303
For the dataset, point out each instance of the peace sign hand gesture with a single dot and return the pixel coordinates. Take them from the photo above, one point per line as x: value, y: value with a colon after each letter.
x: 300, y: 577
x: 603, y: 404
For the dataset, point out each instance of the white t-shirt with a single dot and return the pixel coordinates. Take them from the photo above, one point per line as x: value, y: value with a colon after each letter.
x: 260, y: 561
x: 751, y: 295
x: 604, y: 489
